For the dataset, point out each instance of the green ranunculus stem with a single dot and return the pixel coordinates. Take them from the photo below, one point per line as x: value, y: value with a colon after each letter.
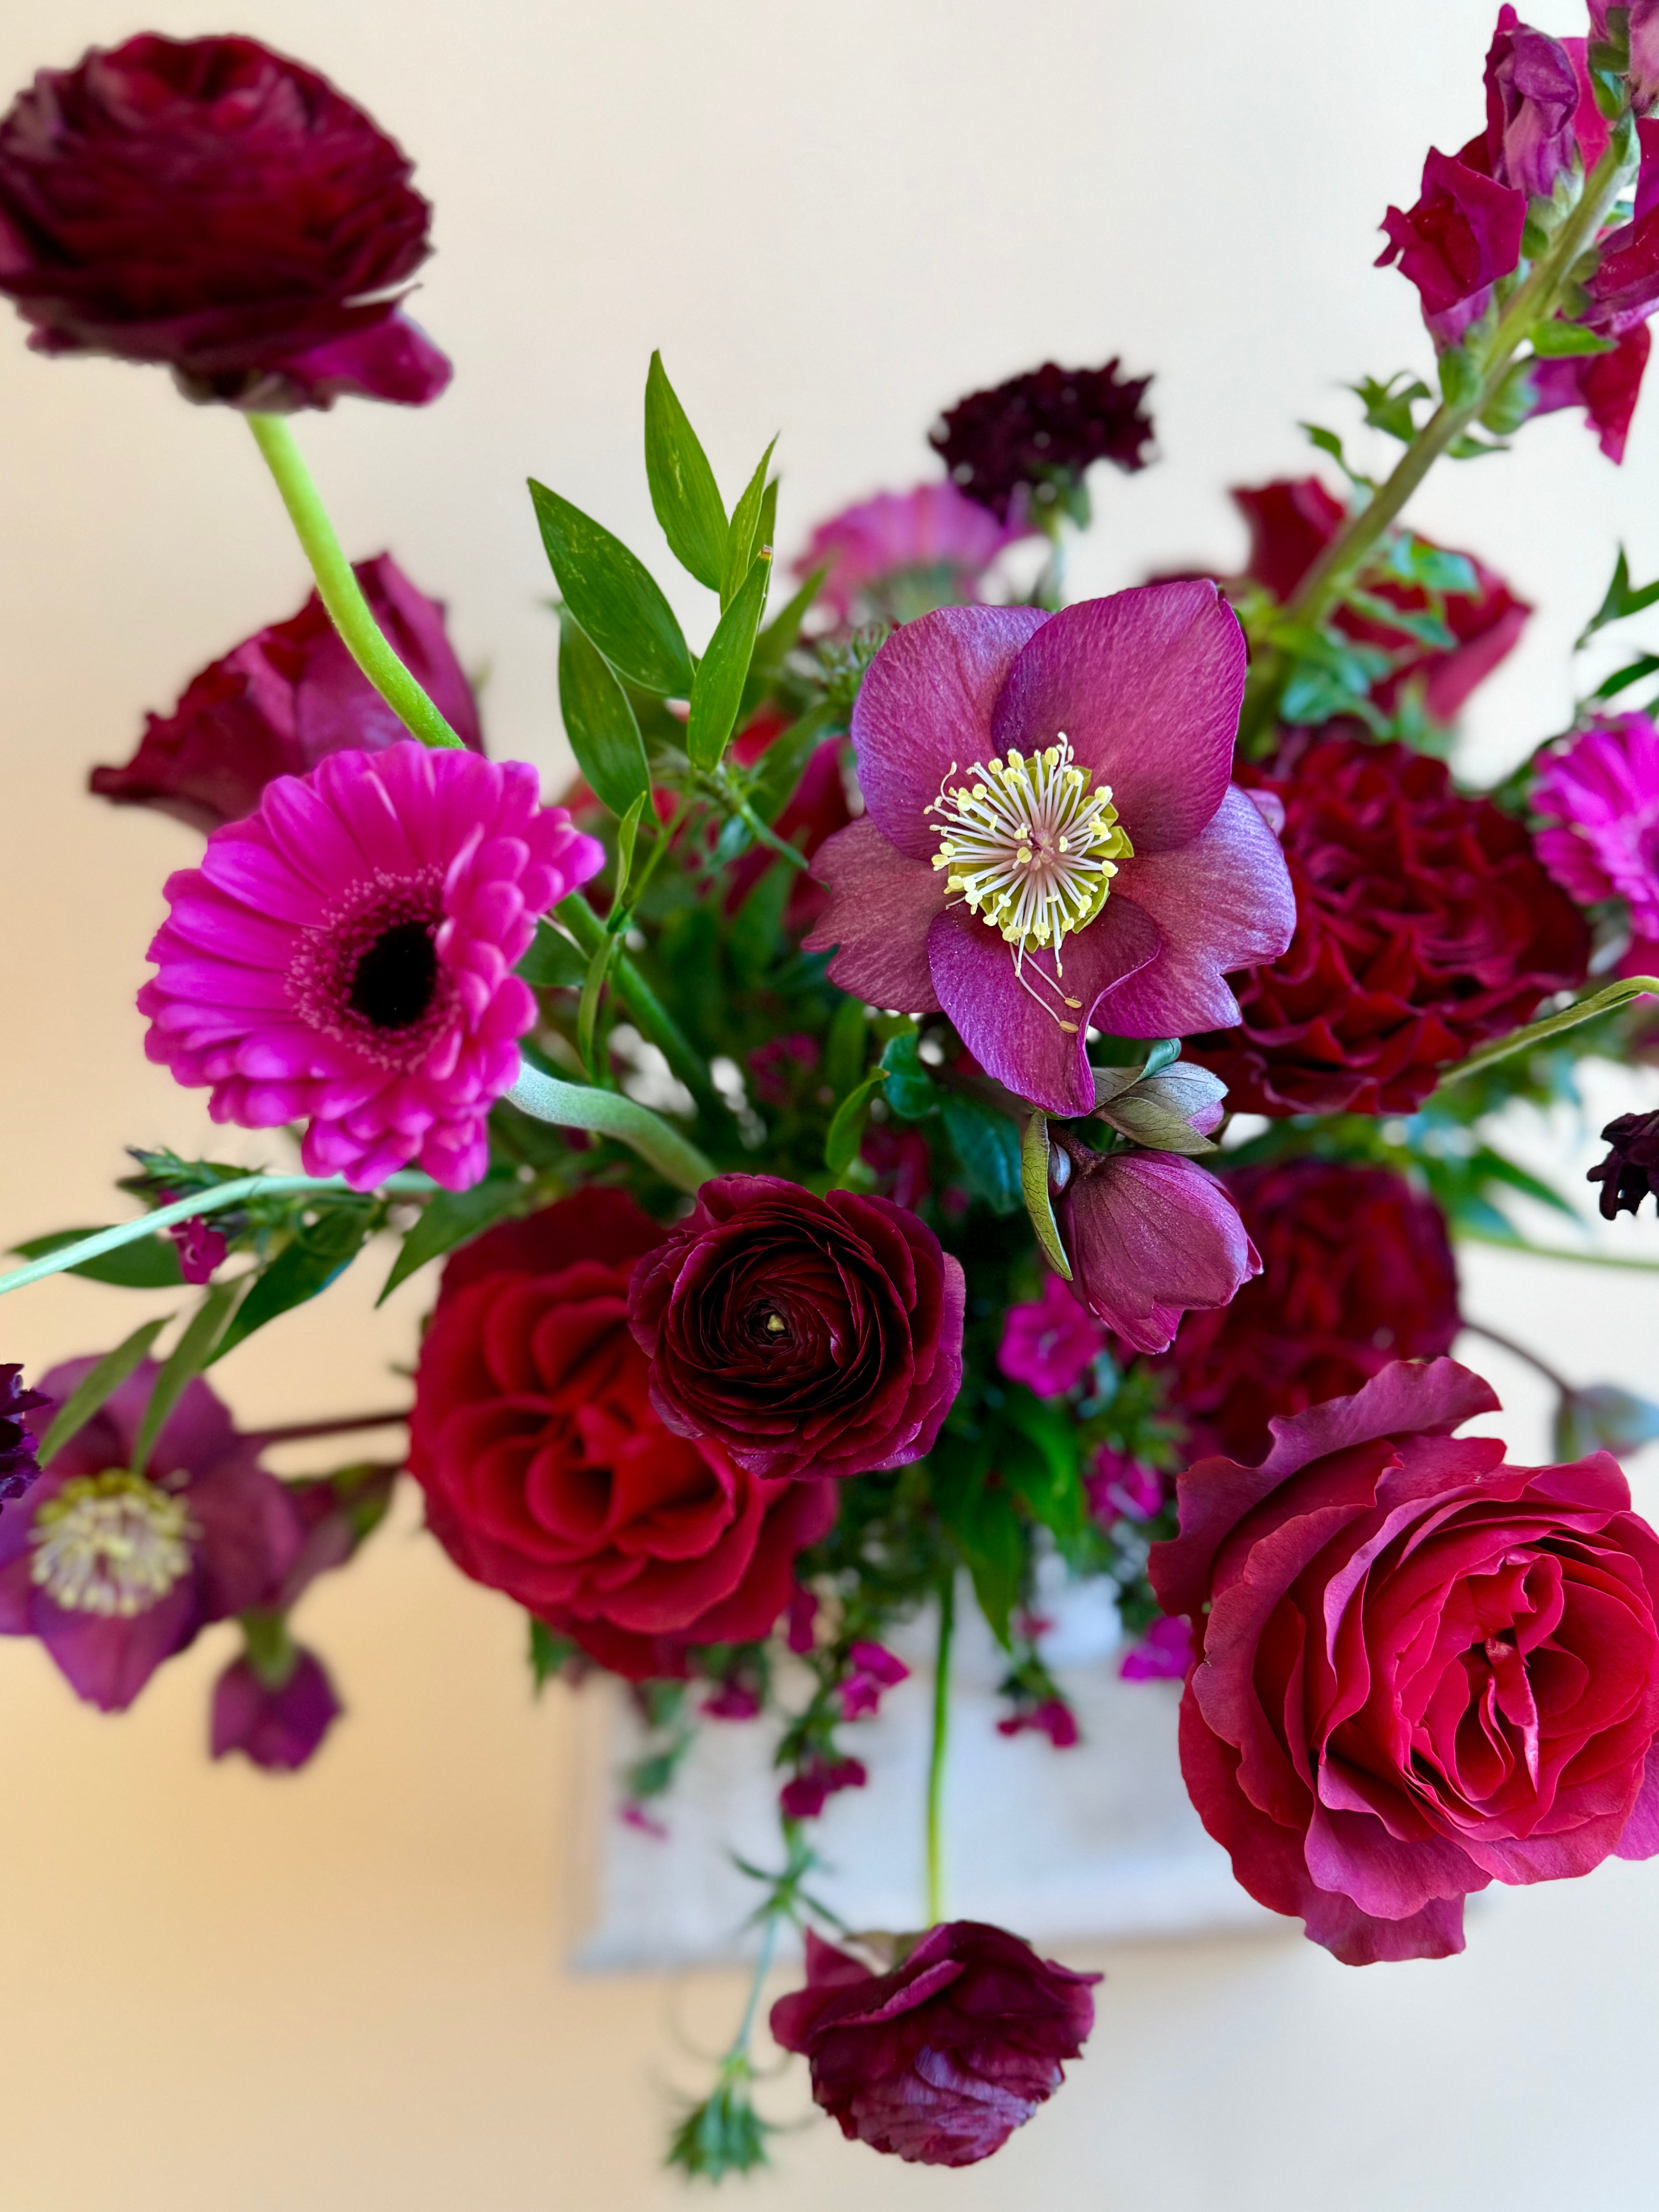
x: 338, y: 587
x: 608, y: 1114
x: 947, y: 1618
x: 1570, y: 1018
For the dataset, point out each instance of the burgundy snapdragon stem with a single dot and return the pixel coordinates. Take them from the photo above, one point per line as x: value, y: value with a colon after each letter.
x: 338, y: 587
x: 1556, y: 1380
x: 947, y: 1612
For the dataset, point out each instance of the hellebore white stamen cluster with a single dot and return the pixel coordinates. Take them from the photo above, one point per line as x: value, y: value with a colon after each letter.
x: 110, y: 1544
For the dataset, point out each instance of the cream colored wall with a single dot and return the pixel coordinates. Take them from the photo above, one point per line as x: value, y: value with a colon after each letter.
x: 342, y: 1990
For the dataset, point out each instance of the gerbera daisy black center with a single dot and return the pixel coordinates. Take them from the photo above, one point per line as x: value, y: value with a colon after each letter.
x: 371, y: 976
x: 395, y: 979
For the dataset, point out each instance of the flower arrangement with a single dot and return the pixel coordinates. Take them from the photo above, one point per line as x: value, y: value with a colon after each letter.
x: 964, y: 1079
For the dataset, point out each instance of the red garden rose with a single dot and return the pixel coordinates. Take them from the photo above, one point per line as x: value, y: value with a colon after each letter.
x: 283, y: 700
x: 802, y: 1335
x: 1420, y: 1669
x: 549, y: 1475
x: 1357, y: 1271
x: 211, y: 205
x: 940, y: 2060
x: 1425, y: 926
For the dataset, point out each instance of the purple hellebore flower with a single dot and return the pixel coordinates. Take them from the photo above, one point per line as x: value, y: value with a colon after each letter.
x: 1600, y: 798
x: 1532, y: 97
x: 277, y: 1725
x: 1164, y: 1654
x: 1150, y: 1237
x: 928, y: 546
x: 1461, y: 236
x: 1050, y: 1345
x: 1095, y: 865
x: 1644, y: 31
x: 116, y: 1569
x: 875, y: 1669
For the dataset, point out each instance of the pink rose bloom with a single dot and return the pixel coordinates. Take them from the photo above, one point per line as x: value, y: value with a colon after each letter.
x: 1051, y: 1345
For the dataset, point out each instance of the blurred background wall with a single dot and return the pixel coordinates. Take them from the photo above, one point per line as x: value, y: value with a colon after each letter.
x: 343, y: 1989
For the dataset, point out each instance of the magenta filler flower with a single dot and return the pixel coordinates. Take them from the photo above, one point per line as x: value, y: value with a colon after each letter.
x: 1602, y: 841
x: 1051, y: 1344
x: 1052, y: 839
x: 343, y: 956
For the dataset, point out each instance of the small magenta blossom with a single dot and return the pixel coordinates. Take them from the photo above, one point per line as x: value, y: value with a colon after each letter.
x: 804, y: 1795
x: 1532, y: 97
x: 875, y: 1669
x: 1052, y: 839
x: 1119, y: 1488
x: 1051, y: 1344
x: 929, y: 547
x: 1163, y: 1655
x: 1051, y: 1718
x: 1601, y: 795
x: 1462, y: 235
x: 278, y: 1725
x: 1150, y: 1236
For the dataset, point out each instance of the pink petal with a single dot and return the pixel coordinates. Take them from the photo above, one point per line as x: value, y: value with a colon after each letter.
x: 881, y: 905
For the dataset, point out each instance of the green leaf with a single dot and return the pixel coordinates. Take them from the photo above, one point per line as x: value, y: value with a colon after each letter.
x: 1427, y: 629
x: 1460, y: 377
x: 1034, y: 1184
x: 553, y: 963
x: 683, y: 493
x: 1388, y: 406
x: 149, y: 1264
x: 984, y: 1522
x: 321, y: 1250
x: 587, y: 1012
x: 717, y: 691
x: 1036, y: 1456
x: 987, y: 1144
x: 1603, y: 1417
x: 1620, y: 600
x: 782, y: 764
x: 744, y: 541
x: 547, y: 1653
x: 451, y: 1219
x: 1559, y: 341
x: 844, y: 1047
x: 911, y: 1093
x: 105, y: 1380
x: 847, y: 1129
x: 784, y: 629
x: 185, y: 1361
x: 627, y: 830
x: 1620, y: 680
x: 1446, y: 575
x: 613, y: 596
x: 598, y: 721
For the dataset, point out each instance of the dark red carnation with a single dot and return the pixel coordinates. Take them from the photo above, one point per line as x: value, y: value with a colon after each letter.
x: 1291, y: 522
x: 549, y: 1475
x: 283, y: 700
x: 211, y: 205
x: 1023, y: 440
x: 1425, y: 926
x: 1357, y: 1271
x: 1421, y: 1670
x: 802, y: 1335
x: 940, y: 2060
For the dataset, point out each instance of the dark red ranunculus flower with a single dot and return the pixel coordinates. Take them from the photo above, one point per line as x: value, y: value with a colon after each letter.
x: 940, y: 2060
x: 1291, y: 522
x: 283, y: 700
x: 1357, y: 1271
x: 548, y: 1473
x: 1425, y: 926
x: 1012, y: 441
x: 1421, y: 1670
x: 802, y: 1335
x: 211, y: 205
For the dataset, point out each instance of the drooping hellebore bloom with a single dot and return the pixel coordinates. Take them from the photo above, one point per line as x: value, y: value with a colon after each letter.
x: 1532, y: 97
x: 1630, y: 1170
x: 283, y: 700
x: 1051, y: 837
x: 1421, y: 1670
x: 345, y: 957
x: 1051, y: 1344
x: 900, y: 554
x: 940, y: 2059
x: 278, y: 1725
x: 18, y: 1465
x: 802, y: 1335
x: 1150, y: 1237
x: 211, y: 205
x: 115, y: 1568
x: 1600, y: 796
x: 1463, y: 234
x: 1027, y: 443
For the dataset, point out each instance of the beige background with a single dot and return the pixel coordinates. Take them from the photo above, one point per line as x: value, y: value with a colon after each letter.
x: 342, y: 1990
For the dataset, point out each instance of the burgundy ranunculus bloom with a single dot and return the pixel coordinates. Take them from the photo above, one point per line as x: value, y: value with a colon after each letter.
x: 941, y: 2059
x: 1461, y: 236
x: 278, y: 1726
x: 1421, y: 1670
x: 800, y: 1335
x: 1150, y: 1237
x: 1007, y: 445
x: 1117, y: 719
x: 211, y: 205
x: 548, y: 1473
x: 18, y: 1465
x: 113, y: 1570
x: 1424, y: 927
x: 1292, y: 521
x: 283, y: 700
x: 1532, y: 97
x: 1357, y: 1271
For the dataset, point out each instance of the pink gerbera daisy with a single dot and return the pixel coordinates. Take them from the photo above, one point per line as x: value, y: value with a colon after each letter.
x: 343, y: 956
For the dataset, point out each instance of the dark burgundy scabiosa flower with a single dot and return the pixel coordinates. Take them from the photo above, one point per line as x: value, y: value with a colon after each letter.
x: 283, y: 700
x: 901, y: 554
x: 802, y: 1335
x: 1356, y: 1271
x: 1291, y: 521
x: 1462, y: 235
x: 1425, y: 926
x: 277, y: 1724
x: 210, y: 205
x: 1052, y: 839
x: 18, y: 1464
x: 1025, y: 443
x: 548, y: 1473
x: 1631, y: 1170
x: 345, y: 957
x: 1421, y: 1670
x: 1150, y: 1237
x: 115, y: 1570
x: 941, y: 2059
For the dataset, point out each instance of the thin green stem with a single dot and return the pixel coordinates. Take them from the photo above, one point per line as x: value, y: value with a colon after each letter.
x: 182, y: 1209
x: 338, y: 587
x: 1570, y: 1018
x: 947, y: 1616
x: 763, y: 836
x: 1557, y: 1252
x: 578, y: 1106
x: 296, y: 1433
x: 763, y: 1967
x: 650, y: 1016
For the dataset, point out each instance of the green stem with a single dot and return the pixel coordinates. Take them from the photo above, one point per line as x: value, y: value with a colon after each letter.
x: 577, y: 1106
x: 1557, y: 1252
x: 650, y: 1016
x: 183, y: 1209
x: 338, y: 587
x: 763, y: 1967
x: 1570, y: 1018
x: 947, y: 1615
x: 763, y: 836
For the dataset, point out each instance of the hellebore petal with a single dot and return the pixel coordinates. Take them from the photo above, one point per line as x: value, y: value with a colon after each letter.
x: 879, y: 909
